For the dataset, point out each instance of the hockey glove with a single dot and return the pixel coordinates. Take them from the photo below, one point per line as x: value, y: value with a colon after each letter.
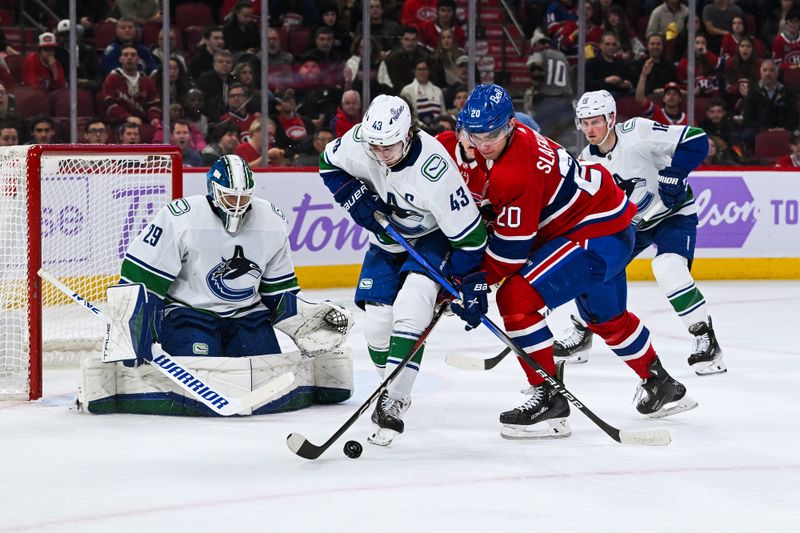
x: 672, y: 186
x: 474, y: 301
x: 362, y: 204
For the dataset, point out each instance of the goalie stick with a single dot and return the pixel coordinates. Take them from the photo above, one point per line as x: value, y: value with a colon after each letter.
x: 308, y: 450
x: 184, y: 378
x: 654, y: 437
x: 473, y: 363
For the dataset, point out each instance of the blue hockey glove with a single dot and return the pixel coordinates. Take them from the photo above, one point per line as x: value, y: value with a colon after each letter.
x: 474, y: 300
x: 672, y: 186
x: 362, y: 204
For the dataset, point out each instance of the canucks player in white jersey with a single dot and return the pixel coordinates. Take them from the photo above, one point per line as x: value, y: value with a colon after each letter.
x: 218, y: 276
x: 650, y: 162
x: 384, y: 165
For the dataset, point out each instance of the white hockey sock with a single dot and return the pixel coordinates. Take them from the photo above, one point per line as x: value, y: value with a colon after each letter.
x: 675, y: 281
x: 413, y: 311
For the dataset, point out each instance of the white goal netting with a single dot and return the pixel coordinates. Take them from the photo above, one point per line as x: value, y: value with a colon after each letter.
x: 91, y: 205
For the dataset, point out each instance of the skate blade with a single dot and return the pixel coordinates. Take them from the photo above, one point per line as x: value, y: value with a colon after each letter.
x: 709, y: 368
x: 575, y: 358
x: 673, y: 408
x: 555, y: 428
x: 381, y: 436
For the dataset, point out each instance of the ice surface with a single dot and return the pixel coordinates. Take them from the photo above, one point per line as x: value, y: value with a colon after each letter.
x: 733, y: 465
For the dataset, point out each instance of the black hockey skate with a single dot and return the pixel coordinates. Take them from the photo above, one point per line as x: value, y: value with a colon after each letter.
x: 706, y: 358
x: 543, y: 416
x: 574, y: 348
x: 661, y: 395
x: 387, y: 418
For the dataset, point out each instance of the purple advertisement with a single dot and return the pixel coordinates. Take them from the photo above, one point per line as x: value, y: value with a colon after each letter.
x: 726, y: 211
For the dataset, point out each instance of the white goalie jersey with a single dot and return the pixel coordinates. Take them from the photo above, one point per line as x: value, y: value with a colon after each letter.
x: 426, y: 190
x: 643, y: 148
x: 186, y: 257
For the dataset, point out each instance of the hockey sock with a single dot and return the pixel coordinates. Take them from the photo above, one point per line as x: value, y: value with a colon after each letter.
x: 629, y: 339
x: 675, y: 281
x: 399, y: 347
x: 413, y: 311
x: 519, y: 305
x: 377, y: 329
x: 378, y: 359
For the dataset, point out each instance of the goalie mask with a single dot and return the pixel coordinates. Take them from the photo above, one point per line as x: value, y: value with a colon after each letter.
x: 230, y: 188
x: 385, y: 130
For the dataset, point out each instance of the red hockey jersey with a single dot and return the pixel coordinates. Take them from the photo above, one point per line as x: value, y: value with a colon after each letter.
x: 474, y: 175
x: 539, y: 192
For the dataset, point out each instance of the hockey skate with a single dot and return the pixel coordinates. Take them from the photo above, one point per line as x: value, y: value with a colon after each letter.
x: 387, y: 418
x: 543, y: 416
x: 661, y: 395
x: 706, y: 358
x: 574, y: 348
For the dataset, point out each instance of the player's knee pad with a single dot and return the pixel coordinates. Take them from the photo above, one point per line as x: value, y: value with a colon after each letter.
x: 378, y: 325
x: 671, y: 272
x: 517, y: 298
x: 413, y: 306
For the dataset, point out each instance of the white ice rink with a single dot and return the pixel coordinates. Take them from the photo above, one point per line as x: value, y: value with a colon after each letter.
x: 733, y: 465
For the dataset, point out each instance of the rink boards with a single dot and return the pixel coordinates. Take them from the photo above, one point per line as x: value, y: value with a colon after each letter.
x: 749, y: 226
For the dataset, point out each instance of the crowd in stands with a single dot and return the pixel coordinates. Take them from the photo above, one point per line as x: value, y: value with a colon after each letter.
x: 747, y: 71
x: 747, y: 66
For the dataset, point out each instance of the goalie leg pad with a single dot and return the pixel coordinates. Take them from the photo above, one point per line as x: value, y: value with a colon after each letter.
x: 131, y: 330
x: 145, y: 390
x: 333, y: 376
x: 314, y: 327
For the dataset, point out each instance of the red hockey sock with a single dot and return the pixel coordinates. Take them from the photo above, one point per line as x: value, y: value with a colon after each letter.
x: 630, y: 340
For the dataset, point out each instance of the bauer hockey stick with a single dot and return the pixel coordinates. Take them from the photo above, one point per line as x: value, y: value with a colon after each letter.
x: 210, y: 396
x: 307, y: 450
x: 473, y: 363
x: 655, y: 437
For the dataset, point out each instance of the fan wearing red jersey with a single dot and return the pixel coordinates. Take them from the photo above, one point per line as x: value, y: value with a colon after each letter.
x: 562, y: 230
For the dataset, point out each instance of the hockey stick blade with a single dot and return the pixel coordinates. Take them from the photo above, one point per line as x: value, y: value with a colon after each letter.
x: 655, y: 437
x: 629, y: 437
x: 303, y: 447
x: 471, y: 363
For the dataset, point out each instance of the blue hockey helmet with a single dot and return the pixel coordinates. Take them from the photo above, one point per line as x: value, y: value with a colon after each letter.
x: 488, y: 108
x: 230, y: 187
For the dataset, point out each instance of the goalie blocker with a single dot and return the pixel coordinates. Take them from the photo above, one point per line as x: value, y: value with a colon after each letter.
x: 323, y: 373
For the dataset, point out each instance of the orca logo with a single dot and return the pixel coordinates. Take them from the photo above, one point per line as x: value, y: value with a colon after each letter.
x: 636, y: 190
x: 226, y: 275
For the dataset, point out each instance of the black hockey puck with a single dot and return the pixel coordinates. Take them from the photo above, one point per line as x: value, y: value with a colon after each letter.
x: 353, y: 449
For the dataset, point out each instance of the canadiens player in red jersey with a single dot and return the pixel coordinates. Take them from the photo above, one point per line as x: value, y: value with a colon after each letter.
x: 561, y: 230
x: 463, y: 154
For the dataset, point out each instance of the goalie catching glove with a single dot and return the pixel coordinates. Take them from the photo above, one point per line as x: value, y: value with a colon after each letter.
x: 314, y: 327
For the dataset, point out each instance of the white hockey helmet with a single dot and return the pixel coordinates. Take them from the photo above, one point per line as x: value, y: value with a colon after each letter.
x: 385, y: 129
x: 595, y: 103
x: 231, y: 187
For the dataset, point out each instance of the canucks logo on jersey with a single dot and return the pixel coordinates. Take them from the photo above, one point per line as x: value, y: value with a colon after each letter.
x: 223, y: 279
x: 636, y: 190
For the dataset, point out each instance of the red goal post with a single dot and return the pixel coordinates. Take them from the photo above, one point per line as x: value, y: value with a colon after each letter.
x: 71, y: 209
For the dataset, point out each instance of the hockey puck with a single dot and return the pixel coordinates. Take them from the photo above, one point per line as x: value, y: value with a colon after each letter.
x: 353, y: 449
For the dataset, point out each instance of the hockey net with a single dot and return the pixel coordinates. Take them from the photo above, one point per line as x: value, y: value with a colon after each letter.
x: 71, y: 209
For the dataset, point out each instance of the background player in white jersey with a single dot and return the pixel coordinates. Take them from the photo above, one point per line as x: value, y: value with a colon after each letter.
x: 650, y: 162
x: 385, y: 165
x: 219, y: 277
